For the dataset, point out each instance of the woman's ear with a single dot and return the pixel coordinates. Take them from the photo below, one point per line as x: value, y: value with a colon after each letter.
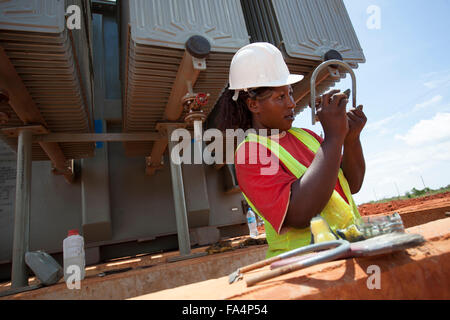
x: 252, y: 105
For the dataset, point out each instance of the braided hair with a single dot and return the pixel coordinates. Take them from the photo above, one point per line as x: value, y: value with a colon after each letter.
x: 230, y: 114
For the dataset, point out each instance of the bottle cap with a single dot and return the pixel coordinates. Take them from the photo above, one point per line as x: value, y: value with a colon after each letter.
x: 73, y: 232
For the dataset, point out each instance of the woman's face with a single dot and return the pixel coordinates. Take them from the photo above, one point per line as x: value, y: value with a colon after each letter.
x: 274, y: 112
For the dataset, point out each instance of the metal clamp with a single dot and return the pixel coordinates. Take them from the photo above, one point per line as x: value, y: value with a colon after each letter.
x: 313, y: 84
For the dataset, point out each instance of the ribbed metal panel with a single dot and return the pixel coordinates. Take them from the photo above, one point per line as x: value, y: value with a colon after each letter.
x: 261, y: 21
x: 54, y: 64
x: 312, y: 27
x: 169, y: 23
x: 33, y: 16
x: 159, y: 29
x: 294, y: 27
x: 157, y: 36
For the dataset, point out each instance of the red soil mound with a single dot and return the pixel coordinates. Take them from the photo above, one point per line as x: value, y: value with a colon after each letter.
x: 432, y: 200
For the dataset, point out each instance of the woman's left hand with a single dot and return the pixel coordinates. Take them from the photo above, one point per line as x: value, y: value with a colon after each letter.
x: 356, y: 122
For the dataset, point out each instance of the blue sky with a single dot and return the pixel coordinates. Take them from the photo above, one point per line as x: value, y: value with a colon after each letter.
x: 404, y: 86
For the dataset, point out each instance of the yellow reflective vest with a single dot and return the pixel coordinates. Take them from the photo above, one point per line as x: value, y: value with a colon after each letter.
x: 338, y: 213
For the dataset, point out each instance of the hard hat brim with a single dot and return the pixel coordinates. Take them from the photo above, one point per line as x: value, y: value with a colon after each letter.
x: 291, y: 79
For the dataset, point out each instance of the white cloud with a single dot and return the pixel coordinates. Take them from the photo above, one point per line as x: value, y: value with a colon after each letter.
x: 402, y: 166
x: 434, y: 100
x: 380, y: 124
x: 423, y: 151
x: 428, y: 131
x: 437, y: 79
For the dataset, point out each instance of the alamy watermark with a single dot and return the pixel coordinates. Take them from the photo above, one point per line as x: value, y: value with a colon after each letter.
x: 221, y: 148
x: 73, y: 281
x: 73, y: 14
x: 374, y: 280
x: 374, y: 20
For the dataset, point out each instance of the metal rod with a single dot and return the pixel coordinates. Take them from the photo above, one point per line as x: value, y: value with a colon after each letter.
x: 198, y: 144
x: 21, y: 240
x: 93, y: 137
x: 313, y: 84
x: 184, y: 242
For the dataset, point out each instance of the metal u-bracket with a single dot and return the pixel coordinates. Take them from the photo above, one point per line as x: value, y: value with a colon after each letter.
x: 313, y: 84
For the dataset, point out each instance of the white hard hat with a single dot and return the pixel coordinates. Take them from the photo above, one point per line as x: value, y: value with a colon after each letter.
x: 259, y: 64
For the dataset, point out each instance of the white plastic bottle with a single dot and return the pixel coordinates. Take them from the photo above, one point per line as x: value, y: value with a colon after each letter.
x: 73, y: 252
x: 251, y: 221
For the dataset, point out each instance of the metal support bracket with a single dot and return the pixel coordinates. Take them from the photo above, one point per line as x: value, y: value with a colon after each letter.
x: 35, y: 129
x: 313, y: 84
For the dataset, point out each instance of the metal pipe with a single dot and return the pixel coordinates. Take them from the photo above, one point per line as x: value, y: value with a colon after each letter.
x: 94, y: 137
x: 21, y: 240
x: 184, y: 242
x: 198, y: 144
x: 313, y: 84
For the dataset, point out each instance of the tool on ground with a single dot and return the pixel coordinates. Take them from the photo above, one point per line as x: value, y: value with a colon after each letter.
x: 383, y: 244
x: 339, y: 248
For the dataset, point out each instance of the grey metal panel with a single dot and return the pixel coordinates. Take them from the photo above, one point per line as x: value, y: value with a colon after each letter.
x: 149, y: 66
x: 96, y: 211
x: 55, y: 208
x: 196, y: 194
x: 312, y: 27
x: 169, y: 23
x: 141, y: 206
x: 261, y: 21
x: 33, y: 16
x: 226, y: 209
x: 7, y: 195
x: 54, y: 64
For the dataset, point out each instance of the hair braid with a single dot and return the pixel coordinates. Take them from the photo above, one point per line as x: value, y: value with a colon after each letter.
x: 235, y: 114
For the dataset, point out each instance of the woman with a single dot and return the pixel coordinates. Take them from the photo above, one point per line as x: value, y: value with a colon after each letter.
x: 314, y: 176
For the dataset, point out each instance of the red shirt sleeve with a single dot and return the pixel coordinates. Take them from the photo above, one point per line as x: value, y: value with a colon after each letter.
x: 267, y: 184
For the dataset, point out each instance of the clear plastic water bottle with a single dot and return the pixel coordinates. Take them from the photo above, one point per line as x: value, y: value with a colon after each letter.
x: 251, y: 221
x: 73, y: 253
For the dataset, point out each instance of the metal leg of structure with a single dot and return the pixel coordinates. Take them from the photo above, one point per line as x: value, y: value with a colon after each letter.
x: 179, y: 200
x: 184, y: 242
x: 19, y: 277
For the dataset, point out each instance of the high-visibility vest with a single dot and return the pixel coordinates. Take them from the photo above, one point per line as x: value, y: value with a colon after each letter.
x: 338, y: 213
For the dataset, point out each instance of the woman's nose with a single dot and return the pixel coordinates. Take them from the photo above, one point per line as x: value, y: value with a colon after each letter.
x: 291, y: 102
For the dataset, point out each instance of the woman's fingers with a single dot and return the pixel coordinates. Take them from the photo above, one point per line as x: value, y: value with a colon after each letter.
x: 326, y: 98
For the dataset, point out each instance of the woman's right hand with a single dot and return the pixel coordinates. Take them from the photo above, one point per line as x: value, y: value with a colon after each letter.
x: 332, y: 114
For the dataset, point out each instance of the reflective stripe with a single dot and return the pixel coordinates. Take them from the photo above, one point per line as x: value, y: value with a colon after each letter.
x: 314, y: 145
x: 338, y: 213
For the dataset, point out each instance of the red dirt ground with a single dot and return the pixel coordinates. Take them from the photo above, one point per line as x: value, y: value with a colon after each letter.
x: 426, y: 202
